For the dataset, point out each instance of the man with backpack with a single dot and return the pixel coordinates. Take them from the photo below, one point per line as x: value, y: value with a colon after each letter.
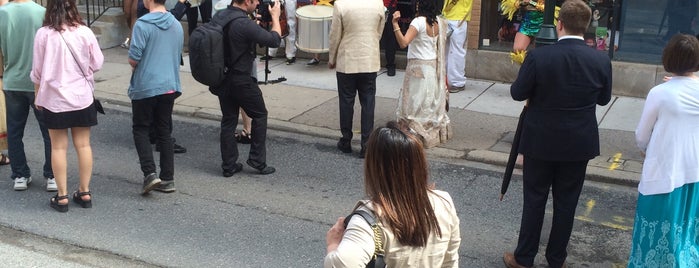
x: 239, y: 88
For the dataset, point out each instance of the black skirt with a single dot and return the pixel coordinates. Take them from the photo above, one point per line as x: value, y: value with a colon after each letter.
x: 81, y: 118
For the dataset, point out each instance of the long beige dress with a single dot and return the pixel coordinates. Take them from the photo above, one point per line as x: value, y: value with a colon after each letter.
x: 423, y: 98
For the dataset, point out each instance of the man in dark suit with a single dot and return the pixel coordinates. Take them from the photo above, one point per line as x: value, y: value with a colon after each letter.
x: 563, y: 83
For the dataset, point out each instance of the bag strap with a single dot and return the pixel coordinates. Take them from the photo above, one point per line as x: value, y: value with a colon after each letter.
x: 377, y: 261
x: 98, y: 104
x: 225, y: 18
x: 76, y: 60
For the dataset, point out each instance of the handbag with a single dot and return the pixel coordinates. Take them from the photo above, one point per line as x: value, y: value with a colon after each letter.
x: 96, y: 102
x: 377, y: 261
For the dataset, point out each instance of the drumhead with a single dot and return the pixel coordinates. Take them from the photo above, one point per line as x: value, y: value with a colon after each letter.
x: 315, y: 12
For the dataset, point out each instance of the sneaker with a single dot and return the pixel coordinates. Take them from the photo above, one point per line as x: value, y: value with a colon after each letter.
x: 290, y: 61
x: 150, y: 182
x: 312, y: 62
x: 21, y: 183
x: 165, y: 187
x: 51, y: 185
x: 453, y: 89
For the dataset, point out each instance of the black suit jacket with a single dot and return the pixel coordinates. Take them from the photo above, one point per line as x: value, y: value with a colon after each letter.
x: 563, y: 83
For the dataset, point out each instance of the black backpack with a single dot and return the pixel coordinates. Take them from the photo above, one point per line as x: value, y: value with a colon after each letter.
x: 207, y: 49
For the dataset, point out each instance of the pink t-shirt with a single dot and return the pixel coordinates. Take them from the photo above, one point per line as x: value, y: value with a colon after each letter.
x: 62, y: 86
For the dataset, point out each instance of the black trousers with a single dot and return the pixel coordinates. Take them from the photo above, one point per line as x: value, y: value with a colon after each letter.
x: 193, y: 15
x: 348, y: 85
x: 565, y: 180
x: 155, y: 111
x: 242, y: 93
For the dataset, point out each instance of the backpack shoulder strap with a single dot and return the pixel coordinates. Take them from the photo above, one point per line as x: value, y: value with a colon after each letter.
x: 225, y: 18
x: 377, y: 261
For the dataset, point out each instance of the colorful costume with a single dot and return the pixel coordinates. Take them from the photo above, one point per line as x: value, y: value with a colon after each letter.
x: 531, y: 21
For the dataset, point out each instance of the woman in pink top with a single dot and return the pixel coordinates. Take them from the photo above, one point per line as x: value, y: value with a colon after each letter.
x: 66, y: 55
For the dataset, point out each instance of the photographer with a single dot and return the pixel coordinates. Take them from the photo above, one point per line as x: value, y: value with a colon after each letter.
x: 240, y: 89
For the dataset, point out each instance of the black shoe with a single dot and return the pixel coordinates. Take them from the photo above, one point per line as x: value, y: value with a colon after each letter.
x: 176, y: 148
x: 391, y: 70
x: 345, y: 147
x: 313, y: 62
x: 267, y: 57
x: 362, y: 153
x: 230, y: 172
x: 290, y: 61
x: 264, y: 169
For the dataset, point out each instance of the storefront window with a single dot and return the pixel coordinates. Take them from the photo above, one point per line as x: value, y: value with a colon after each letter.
x: 646, y: 26
x: 637, y: 33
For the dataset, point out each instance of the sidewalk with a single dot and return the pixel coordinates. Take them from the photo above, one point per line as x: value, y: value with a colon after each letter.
x: 483, y: 117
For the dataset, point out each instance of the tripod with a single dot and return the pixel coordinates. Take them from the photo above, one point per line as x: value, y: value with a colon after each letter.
x: 268, y: 71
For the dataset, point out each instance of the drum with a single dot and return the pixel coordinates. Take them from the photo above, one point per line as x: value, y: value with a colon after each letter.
x: 313, y: 28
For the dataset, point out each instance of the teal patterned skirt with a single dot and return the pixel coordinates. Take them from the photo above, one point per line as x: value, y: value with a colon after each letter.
x: 666, y: 229
x: 531, y: 23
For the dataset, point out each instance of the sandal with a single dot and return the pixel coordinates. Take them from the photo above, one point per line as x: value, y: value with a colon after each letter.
x: 4, y: 159
x: 78, y: 199
x: 57, y: 206
x: 243, y: 137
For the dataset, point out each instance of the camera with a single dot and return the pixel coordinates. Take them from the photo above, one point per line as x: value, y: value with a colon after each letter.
x: 263, y: 9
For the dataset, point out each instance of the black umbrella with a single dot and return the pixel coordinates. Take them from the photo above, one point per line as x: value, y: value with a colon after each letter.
x: 513, y: 155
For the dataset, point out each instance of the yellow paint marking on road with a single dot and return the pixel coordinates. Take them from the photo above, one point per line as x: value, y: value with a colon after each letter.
x: 620, y: 219
x: 583, y: 218
x: 616, y: 226
x: 616, y: 163
x: 589, y: 206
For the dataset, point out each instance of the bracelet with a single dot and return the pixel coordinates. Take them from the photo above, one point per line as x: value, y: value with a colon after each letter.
x: 396, y: 30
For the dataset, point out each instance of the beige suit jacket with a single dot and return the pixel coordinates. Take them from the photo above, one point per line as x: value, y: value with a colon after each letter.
x: 357, y: 26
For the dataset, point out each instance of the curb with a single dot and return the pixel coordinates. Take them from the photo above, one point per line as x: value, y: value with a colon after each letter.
x: 498, y: 159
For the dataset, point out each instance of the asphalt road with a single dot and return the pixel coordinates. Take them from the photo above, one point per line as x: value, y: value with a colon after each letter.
x: 278, y: 220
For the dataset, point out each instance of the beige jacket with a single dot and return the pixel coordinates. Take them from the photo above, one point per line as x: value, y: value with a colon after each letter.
x: 354, y: 37
x: 357, y: 245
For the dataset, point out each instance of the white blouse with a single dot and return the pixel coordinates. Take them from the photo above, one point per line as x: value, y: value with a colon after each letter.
x: 668, y: 133
x: 423, y: 46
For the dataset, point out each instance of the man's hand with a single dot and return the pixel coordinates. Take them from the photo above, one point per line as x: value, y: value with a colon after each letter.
x: 275, y: 10
x: 331, y: 65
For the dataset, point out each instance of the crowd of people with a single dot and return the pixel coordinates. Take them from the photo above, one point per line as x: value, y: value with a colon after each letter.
x: 49, y: 59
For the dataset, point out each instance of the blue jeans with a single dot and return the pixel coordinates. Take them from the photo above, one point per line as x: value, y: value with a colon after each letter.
x: 18, y: 104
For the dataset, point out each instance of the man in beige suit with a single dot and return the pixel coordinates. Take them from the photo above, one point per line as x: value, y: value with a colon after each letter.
x: 354, y: 53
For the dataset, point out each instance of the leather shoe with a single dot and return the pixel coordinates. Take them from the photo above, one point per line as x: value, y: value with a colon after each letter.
x: 264, y: 169
x: 391, y: 70
x: 344, y: 147
x: 176, y: 148
x: 510, y: 261
x: 229, y: 172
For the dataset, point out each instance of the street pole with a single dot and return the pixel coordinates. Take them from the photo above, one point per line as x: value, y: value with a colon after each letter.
x: 547, y: 34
